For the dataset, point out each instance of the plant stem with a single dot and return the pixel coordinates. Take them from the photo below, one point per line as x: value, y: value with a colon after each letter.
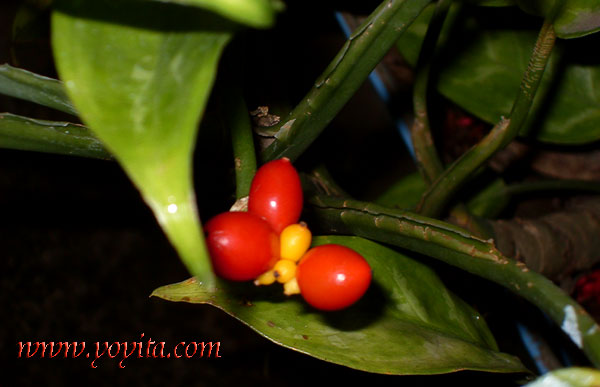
x: 456, y: 247
x: 239, y: 124
x: 36, y: 88
x: 428, y: 161
x: 23, y: 133
x: 363, y: 50
x: 447, y: 184
x: 551, y: 185
x: 429, y: 164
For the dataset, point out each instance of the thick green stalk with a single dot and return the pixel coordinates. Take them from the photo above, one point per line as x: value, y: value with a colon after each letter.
x: 457, y: 247
x: 244, y: 155
x: 363, y: 50
x: 23, y: 133
x: 429, y: 164
x: 551, y: 185
x: 428, y: 161
x: 447, y: 184
x: 32, y: 87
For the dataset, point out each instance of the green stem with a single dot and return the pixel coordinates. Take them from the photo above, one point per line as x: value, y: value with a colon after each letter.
x: 363, y: 50
x: 32, y: 87
x: 429, y: 164
x: 321, y: 177
x: 457, y: 247
x: 239, y: 124
x: 447, y: 184
x: 428, y: 161
x: 551, y: 185
x: 23, y: 133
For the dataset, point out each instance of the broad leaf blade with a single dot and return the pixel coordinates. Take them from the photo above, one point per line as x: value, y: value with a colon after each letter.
x: 482, y: 74
x: 30, y: 134
x: 571, y: 18
x: 568, y: 377
x: 140, y: 73
x: 408, y: 323
x: 405, y: 193
x: 32, y: 87
x: 255, y: 13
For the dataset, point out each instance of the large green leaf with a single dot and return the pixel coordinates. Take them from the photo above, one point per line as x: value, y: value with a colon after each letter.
x: 139, y: 74
x: 407, y: 323
x: 24, y: 133
x: 571, y: 18
x: 255, y: 13
x: 568, y: 377
x: 482, y: 69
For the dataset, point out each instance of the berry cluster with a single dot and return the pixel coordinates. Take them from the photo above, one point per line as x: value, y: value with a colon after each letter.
x: 268, y: 245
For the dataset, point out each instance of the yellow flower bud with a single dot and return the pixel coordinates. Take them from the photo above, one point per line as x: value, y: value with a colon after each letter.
x: 284, y: 270
x: 266, y: 278
x: 294, y: 241
x: 291, y: 287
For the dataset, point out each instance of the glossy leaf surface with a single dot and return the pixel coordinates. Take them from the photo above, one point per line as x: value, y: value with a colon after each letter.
x: 484, y: 66
x: 140, y: 73
x: 407, y: 323
x: 255, y: 13
x: 568, y: 377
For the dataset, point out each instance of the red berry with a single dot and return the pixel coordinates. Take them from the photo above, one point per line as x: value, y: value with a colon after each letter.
x: 276, y: 194
x: 333, y: 277
x: 242, y: 245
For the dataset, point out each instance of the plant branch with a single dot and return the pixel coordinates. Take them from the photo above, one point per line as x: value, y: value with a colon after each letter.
x: 239, y: 124
x: 23, y: 133
x: 428, y: 161
x: 447, y: 184
x: 363, y: 50
x: 429, y: 164
x: 457, y: 247
x: 22, y: 84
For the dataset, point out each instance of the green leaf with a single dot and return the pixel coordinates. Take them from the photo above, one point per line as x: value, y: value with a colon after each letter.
x: 35, y: 88
x: 571, y: 18
x: 490, y: 201
x: 255, y: 13
x: 24, y: 133
x: 483, y: 69
x: 405, y: 193
x: 568, y: 377
x: 140, y: 74
x: 407, y: 323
